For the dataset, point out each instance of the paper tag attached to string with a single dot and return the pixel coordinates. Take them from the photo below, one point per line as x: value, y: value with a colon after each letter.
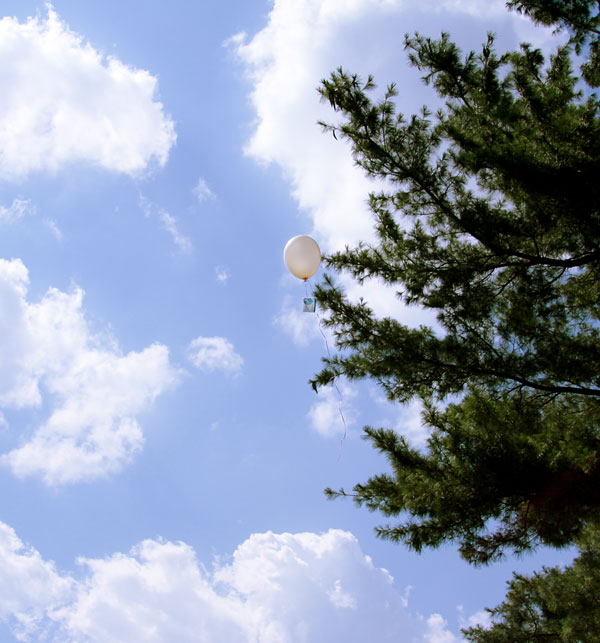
x: 309, y: 305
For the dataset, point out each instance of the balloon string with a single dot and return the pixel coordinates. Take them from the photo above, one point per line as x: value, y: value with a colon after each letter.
x: 335, y: 386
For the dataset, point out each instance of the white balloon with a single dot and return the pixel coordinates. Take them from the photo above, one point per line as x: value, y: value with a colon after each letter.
x: 302, y: 256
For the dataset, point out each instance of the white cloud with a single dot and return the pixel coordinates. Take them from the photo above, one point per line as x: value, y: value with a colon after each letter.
x: 94, y: 390
x: 169, y: 223
x: 158, y: 592
x: 384, y: 302
x: 405, y: 419
x: 437, y: 632
x: 482, y: 618
x: 222, y: 274
x: 333, y: 414
x: 491, y: 9
x: 202, y: 191
x: 276, y: 588
x: 30, y: 588
x: 285, y: 62
x: 340, y: 598
x: 54, y: 229
x: 214, y: 354
x: 301, y: 327
x: 16, y: 210
x: 64, y: 102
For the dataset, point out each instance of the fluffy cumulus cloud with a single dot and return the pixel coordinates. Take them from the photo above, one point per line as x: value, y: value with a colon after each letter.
x: 214, y: 354
x: 437, y: 632
x: 276, y: 588
x: 285, y: 62
x: 30, y: 587
x: 94, y: 391
x: 64, y: 102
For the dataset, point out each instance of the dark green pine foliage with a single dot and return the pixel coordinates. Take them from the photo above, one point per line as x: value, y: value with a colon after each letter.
x: 579, y: 17
x: 554, y: 605
x: 493, y: 222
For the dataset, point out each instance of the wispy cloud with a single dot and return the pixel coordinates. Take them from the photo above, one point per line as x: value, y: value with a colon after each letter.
x: 170, y: 224
x: 168, y: 221
x: 16, y: 210
x: 301, y: 327
x: 53, y: 227
x: 405, y: 419
x: 333, y: 414
x: 222, y: 274
x: 202, y: 192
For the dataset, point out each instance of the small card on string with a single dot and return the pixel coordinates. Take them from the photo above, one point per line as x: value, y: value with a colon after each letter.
x: 310, y: 305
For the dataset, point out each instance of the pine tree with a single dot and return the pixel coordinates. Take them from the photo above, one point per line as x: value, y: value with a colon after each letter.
x: 493, y: 222
x: 554, y: 605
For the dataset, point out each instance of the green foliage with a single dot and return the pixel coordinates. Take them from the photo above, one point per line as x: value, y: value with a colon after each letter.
x: 493, y: 222
x: 581, y: 19
x: 531, y: 472
x: 557, y: 605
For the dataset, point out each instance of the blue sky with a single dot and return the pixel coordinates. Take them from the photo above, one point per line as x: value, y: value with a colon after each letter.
x: 162, y: 457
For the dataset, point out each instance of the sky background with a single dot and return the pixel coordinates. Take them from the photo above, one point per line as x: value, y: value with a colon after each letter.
x: 162, y: 457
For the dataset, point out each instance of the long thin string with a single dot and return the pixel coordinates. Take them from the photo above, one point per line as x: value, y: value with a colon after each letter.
x: 337, y: 388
